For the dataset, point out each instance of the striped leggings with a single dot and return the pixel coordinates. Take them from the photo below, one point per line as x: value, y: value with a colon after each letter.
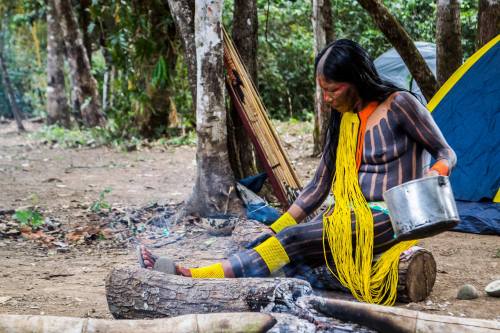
x: 303, y: 244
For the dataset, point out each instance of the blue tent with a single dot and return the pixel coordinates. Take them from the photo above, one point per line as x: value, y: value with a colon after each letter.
x: 467, y: 110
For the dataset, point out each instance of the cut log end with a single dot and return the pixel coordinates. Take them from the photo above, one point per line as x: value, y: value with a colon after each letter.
x: 417, y: 276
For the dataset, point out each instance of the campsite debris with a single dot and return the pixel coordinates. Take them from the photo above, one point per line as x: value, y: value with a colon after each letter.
x: 493, y: 288
x: 219, y: 226
x: 467, y: 291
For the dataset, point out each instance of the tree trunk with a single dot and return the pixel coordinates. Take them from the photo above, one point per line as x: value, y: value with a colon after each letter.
x: 153, y: 120
x: 214, y: 192
x: 183, y: 14
x: 86, y: 99
x: 57, y: 103
x: 245, y: 29
x: 84, y: 21
x: 323, y: 34
x: 134, y: 293
x: 488, y: 21
x: 9, y: 92
x: 448, y: 39
x: 402, y: 42
x: 192, y: 323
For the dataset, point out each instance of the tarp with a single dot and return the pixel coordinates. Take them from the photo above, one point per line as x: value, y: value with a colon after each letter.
x: 391, y: 67
x: 479, y: 217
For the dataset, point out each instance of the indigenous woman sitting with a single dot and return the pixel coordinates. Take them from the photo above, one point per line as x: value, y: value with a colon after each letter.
x: 379, y: 136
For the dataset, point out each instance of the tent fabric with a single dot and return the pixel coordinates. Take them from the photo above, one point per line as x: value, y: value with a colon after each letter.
x: 391, y: 67
x: 478, y: 217
x: 468, y: 114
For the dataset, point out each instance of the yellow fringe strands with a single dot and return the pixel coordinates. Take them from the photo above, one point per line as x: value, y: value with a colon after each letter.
x: 371, y: 284
x: 273, y: 254
x: 214, y: 271
x: 286, y: 220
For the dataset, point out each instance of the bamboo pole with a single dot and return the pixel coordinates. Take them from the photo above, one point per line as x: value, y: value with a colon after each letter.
x: 254, y: 116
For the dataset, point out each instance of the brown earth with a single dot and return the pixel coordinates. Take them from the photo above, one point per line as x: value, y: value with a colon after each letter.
x: 63, y: 183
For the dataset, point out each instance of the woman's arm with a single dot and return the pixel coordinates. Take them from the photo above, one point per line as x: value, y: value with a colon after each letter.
x: 313, y: 195
x: 417, y: 121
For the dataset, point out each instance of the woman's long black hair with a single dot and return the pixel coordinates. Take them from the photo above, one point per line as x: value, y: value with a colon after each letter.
x: 347, y: 61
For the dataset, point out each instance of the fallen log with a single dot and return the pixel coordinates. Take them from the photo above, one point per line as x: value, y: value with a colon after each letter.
x: 417, y: 275
x: 134, y: 292
x: 417, y: 267
x: 391, y: 319
x: 195, y: 323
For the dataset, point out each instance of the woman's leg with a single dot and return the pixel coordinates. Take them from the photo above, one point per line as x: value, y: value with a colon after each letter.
x: 300, y: 244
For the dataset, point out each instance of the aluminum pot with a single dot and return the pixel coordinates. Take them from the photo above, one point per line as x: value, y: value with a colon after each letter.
x: 421, y: 208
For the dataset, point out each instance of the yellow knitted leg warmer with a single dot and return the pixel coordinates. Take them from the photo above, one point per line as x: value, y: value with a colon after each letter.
x: 286, y: 220
x: 273, y: 254
x: 208, y: 272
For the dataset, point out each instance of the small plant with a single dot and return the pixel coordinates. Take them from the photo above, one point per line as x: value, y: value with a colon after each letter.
x: 497, y: 255
x: 29, y: 218
x: 101, y: 203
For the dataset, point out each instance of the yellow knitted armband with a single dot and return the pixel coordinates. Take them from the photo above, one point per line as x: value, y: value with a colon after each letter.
x: 273, y: 254
x: 283, y: 222
x: 208, y: 272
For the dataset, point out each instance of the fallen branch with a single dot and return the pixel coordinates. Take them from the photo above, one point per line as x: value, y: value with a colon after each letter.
x: 195, y: 323
x: 391, y: 319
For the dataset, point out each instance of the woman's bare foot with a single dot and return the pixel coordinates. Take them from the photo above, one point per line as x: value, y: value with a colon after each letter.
x: 148, y: 258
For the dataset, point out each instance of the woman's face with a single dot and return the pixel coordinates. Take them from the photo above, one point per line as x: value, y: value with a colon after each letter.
x: 342, y: 96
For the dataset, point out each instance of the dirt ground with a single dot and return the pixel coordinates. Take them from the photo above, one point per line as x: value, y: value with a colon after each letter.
x: 63, y: 183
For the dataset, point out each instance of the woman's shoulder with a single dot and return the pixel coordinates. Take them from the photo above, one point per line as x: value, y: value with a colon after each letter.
x: 406, y: 101
x: 402, y: 96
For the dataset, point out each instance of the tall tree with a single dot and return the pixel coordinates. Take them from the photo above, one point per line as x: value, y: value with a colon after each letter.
x: 214, y: 191
x: 9, y: 91
x: 245, y: 37
x: 488, y: 21
x: 402, y: 42
x: 57, y: 103
x: 323, y: 34
x: 84, y: 21
x: 448, y: 39
x: 157, y: 63
x: 183, y: 14
x: 86, y: 98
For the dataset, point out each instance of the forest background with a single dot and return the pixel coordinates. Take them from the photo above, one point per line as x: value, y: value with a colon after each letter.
x: 137, y: 59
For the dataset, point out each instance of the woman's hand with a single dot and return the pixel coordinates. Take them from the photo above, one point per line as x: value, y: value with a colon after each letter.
x: 286, y: 220
x: 431, y: 173
x: 440, y: 168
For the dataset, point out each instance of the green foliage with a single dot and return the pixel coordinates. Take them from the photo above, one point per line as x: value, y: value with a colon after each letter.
x: 101, y: 204
x: 73, y: 138
x: 136, y: 44
x: 23, y: 36
x: 29, y: 217
x: 160, y: 77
